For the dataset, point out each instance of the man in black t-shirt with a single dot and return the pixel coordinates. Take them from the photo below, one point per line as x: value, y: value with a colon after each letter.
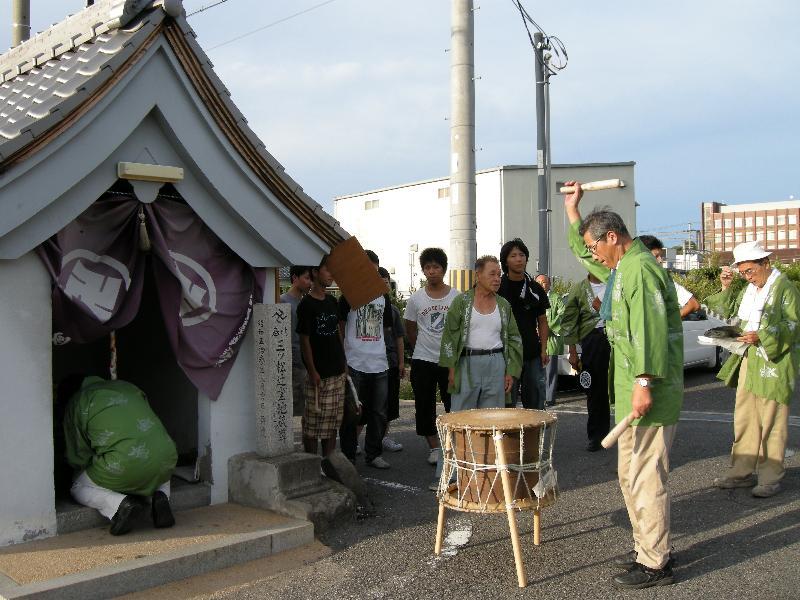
x: 529, y: 303
x: 323, y: 356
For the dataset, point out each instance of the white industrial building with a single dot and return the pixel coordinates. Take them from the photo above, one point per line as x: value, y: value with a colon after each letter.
x: 399, y: 222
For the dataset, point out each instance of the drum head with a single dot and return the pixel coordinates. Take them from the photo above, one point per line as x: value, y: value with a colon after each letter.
x: 496, y: 418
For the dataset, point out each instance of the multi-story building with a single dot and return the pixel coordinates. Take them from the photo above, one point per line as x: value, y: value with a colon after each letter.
x: 774, y: 224
x: 399, y: 222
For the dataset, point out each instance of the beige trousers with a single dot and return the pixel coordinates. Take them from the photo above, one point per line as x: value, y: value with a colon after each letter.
x: 760, y: 429
x: 643, y: 468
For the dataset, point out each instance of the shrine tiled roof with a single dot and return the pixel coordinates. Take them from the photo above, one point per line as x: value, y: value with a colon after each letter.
x: 52, y: 78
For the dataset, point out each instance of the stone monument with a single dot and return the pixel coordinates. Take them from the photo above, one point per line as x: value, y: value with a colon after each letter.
x: 275, y: 477
x: 273, y: 374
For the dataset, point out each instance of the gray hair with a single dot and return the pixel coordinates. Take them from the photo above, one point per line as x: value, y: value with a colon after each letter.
x: 602, y: 220
x: 484, y: 260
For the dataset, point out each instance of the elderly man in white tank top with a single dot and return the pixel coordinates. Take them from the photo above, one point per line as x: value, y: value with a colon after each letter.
x: 481, y: 345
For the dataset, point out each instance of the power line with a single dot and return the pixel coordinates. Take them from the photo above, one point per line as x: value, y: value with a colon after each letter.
x: 677, y: 227
x: 557, y: 59
x: 279, y: 21
x: 204, y: 8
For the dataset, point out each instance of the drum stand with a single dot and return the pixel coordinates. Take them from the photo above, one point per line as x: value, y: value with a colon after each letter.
x: 502, y: 467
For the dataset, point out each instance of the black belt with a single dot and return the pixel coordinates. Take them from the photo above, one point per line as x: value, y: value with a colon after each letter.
x: 597, y: 330
x: 476, y: 352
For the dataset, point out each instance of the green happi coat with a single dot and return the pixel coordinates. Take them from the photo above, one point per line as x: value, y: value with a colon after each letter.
x: 456, y: 332
x: 646, y: 336
x: 579, y: 316
x: 555, y: 316
x: 773, y: 364
x: 114, y: 435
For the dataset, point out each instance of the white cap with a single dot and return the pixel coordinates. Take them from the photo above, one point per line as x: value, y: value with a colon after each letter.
x: 749, y: 251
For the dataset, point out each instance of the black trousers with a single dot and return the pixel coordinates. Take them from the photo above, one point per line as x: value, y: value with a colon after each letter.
x: 393, y: 403
x: 595, y: 356
x: 426, y: 377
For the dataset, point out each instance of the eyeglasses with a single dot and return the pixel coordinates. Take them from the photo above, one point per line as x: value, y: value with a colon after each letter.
x: 593, y: 248
x: 748, y: 272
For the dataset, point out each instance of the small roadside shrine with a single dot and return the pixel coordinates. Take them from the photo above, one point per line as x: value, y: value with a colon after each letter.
x: 142, y: 226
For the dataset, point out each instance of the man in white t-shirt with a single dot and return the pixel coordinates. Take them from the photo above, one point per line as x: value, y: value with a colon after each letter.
x: 363, y: 331
x: 424, y: 319
x: 686, y: 300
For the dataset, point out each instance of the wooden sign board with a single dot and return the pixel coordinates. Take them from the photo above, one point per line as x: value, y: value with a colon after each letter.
x: 355, y: 275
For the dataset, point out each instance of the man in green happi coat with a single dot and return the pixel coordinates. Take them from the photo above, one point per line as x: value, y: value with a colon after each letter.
x: 119, y: 449
x: 644, y: 330
x: 555, y: 341
x: 582, y: 324
x: 768, y: 309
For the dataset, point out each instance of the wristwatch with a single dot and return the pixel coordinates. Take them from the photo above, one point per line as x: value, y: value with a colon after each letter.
x: 643, y: 382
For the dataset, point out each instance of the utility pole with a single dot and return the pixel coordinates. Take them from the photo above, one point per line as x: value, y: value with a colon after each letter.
x: 542, y: 155
x: 463, y: 224
x: 20, y: 21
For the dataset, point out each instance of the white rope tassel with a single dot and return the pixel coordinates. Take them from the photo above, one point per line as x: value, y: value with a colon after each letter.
x: 144, y: 238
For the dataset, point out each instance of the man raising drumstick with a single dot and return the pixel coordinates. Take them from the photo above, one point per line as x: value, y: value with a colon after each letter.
x: 646, y: 337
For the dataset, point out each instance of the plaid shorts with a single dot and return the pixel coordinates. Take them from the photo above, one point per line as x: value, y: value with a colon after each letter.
x: 321, y: 420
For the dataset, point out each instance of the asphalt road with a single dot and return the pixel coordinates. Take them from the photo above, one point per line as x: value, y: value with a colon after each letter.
x: 728, y: 544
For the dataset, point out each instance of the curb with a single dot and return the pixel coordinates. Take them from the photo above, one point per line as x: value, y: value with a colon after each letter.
x: 140, y: 574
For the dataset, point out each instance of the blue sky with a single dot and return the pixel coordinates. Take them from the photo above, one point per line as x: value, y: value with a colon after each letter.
x: 354, y: 95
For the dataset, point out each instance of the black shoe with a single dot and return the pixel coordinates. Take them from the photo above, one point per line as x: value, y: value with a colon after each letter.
x: 627, y: 561
x: 162, y: 511
x: 644, y: 577
x: 593, y: 446
x: 129, y: 510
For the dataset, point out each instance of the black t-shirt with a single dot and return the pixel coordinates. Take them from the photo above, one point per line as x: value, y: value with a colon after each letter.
x: 527, y: 308
x: 319, y: 320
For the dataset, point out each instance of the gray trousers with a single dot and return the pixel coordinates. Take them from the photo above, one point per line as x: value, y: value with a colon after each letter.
x: 482, y: 382
x: 482, y: 386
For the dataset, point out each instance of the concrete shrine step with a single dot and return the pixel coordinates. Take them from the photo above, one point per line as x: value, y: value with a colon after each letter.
x: 91, y: 563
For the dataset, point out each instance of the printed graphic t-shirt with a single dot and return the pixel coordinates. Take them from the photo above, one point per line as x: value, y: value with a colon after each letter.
x: 429, y: 314
x: 319, y: 320
x: 364, y: 345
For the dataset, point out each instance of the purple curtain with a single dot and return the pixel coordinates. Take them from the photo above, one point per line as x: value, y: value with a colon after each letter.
x: 206, y: 292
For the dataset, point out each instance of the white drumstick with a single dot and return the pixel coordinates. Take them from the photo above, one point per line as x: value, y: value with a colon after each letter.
x: 593, y: 186
x: 614, y: 434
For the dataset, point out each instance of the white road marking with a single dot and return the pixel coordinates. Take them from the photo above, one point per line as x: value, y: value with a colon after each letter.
x: 459, y: 533
x: 393, y: 485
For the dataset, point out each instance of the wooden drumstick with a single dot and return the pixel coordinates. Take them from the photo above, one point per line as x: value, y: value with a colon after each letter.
x: 614, y: 434
x: 593, y: 186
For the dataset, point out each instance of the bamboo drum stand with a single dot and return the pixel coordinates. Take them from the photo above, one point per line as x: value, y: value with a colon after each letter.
x: 472, y: 480
x: 437, y: 550
x: 512, y: 518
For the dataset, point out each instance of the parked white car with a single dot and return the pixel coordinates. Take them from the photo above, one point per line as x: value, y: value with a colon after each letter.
x: 695, y: 354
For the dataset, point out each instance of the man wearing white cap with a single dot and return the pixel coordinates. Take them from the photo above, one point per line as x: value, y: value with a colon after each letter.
x: 764, y: 378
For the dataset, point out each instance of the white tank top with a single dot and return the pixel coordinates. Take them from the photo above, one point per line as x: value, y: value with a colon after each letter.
x: 484, y: 330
